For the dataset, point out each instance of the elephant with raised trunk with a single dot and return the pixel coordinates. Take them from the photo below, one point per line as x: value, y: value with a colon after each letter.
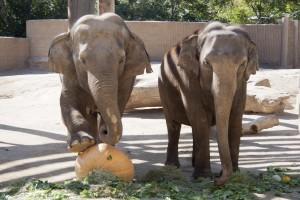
x: 203, y: 83
x: 98, y: 60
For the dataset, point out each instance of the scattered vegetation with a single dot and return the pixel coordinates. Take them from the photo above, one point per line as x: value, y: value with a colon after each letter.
x: 166, y: 183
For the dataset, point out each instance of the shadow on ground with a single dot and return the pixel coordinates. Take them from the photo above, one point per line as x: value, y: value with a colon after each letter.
x: 278, y: 147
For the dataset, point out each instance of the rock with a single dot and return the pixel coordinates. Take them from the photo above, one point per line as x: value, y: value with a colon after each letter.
x: 276, y: 178
x: 259, y: 82
x: 262, y: 99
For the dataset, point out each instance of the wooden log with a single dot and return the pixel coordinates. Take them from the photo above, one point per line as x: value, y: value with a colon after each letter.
x: 260, y: 99
x: 259, y: 124
x: 145, y: 93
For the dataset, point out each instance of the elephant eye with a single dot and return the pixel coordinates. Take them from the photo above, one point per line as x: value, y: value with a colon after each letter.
x: 243, y: 64
x: 206, y: 63
x: 122, y: 59
x: 83, y: 61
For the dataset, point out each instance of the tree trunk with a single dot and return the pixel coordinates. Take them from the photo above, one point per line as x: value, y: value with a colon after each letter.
x: 106, y: 6
x: 78, y: 8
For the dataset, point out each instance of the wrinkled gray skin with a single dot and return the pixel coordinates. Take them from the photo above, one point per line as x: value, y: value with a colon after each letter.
x: 98, y: 59
x: 203, y: 83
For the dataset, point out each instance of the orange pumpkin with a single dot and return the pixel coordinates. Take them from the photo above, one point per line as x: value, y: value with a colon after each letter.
x: 106, y: 158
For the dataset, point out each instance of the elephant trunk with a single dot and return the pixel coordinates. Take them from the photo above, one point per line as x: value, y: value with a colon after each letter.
x: 105, y: 93
x: 223, y: 90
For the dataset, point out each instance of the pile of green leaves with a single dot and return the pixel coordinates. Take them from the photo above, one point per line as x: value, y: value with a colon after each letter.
x: 166, y: 183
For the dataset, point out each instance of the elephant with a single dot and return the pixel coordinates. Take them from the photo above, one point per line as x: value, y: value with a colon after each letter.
x: 202, y: 83
x: 98, y: 60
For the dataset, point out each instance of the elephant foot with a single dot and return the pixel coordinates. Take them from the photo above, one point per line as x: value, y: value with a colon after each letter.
x: 80, y: 141
x: 202, y: 173
x: 172, y: 163
x: 222, y: 180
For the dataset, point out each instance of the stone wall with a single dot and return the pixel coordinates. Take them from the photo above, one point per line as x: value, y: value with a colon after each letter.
x: 14, y: 52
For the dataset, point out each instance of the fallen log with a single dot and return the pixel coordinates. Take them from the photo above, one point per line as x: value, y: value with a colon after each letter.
x: 260, y: 99
x: 259, y: 124
x: 145, y: 92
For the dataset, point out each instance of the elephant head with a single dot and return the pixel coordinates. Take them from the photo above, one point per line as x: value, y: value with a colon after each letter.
x: 223, y: 58
x: 99, y: 51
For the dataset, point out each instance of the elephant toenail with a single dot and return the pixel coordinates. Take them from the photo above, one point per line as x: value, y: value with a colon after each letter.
x: 85, y: 140
x: 75, y: 142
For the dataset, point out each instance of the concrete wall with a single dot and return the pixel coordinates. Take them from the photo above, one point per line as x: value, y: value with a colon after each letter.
x: 160, y: 36
x: 40, y: 34
x: 268, y: 40
x: 14, y: 52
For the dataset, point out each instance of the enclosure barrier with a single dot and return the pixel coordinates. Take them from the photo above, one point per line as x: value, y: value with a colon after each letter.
x: 14, y: 52
x: 278, y: 44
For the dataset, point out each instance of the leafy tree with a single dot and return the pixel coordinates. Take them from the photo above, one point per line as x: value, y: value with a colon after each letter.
x: 14, y: 13
x: 268, y: 11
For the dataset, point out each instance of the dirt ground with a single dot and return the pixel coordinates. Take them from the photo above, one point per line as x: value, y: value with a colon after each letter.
x: 33, y: 137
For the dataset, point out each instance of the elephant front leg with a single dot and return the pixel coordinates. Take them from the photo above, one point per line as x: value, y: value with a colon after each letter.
x: 173, y: 139
x: 201, y: 155
x: 80, y: 133
x: 234, y: 134
x: 235, y: 125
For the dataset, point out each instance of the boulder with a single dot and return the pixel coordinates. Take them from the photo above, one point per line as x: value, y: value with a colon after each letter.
x: 259, y: 81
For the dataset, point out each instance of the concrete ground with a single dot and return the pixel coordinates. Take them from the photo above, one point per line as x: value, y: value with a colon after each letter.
x: 33, y: 137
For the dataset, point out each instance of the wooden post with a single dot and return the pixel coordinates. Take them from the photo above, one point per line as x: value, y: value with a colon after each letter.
x: 285, y: 42
x: 78, y: 8
x: 296, y: 49
x: 106, y: 6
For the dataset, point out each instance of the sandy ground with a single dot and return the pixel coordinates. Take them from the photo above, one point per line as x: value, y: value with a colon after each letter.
x: 33, y: 137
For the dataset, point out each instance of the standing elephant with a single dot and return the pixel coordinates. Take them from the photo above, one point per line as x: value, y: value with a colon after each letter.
x: 203, y: 83
x: 99, y: 59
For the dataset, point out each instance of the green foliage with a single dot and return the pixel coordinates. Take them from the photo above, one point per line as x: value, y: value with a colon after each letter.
x: 165, y: 183
x: 14, y: 13
x: 231, y: 11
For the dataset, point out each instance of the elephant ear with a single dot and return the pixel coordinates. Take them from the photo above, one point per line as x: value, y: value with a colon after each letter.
x: 60, y: 55
x: 253, y: 64
x: 189, y: 55
x: 137, y: 58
